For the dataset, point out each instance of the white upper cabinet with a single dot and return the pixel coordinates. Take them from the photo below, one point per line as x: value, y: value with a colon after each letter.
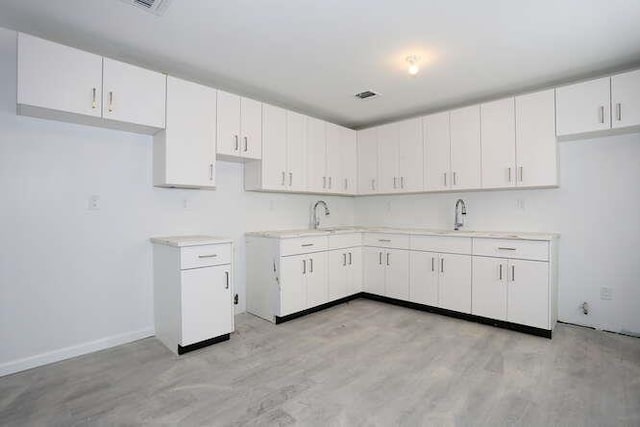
x: 133, y: 95
x: 368, y: 161
x: 275, y: 175
x: 498, y: 130
x: 437, y: 152
x: 625, y: 99
x: 348, y: 161
x: 583, y: 107
x: 296, y: 157
x: 465, y: 148
x: 239, y: 127
x: 57, y: 77
x: 388, y: 158
x: 316, y: 153
x: 335, y: 183
x: 410, y: 155
x: 536, y: 146
x: 184, y: 153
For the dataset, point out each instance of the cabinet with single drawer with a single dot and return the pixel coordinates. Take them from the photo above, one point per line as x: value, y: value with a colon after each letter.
x: 387, y: 240
x: 303, y: 245
x: 535, y: 250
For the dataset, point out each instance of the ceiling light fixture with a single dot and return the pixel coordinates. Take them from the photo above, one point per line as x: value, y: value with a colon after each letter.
x: 413, y: 64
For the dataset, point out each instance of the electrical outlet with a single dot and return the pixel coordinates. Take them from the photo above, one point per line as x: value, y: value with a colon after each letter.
x: 94, y: 203
x: 606, y: 293
x: 520, y: 204
x: 185, y: 204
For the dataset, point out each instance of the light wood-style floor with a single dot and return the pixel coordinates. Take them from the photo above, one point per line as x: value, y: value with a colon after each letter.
x: 360, y: 363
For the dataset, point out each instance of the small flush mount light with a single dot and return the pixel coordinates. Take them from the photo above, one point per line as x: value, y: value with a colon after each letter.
x: 413, y: 60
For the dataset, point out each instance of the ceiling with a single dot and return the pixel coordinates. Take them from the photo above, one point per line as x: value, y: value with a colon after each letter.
x: 313, y: 56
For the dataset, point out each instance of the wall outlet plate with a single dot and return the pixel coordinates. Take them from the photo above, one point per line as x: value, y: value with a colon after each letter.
x: 606, y: 293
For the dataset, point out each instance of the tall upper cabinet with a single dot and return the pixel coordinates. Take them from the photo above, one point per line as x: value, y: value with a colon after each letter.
x: 625, y: 99
x: 86, y: 88
x: 368, y: 161
x: 498, y: 136
x: 466, y: 170
x: 239, y: 131
x: 185, y: 152
x: 437, y: 152
x: 400, y: 152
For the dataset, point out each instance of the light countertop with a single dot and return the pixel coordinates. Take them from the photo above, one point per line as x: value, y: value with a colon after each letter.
x: 514, y: 235
x: 182, y: 241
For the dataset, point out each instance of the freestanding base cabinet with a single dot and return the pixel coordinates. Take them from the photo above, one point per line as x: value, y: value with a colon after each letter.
x: 193, y: 291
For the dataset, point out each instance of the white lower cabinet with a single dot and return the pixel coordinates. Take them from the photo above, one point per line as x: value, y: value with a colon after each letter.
x: 512, y: 290
x: 386, y: 272
x: 441, y: 280
x: 345, y: 272
x: 303, y: 282
x: 193, y: 292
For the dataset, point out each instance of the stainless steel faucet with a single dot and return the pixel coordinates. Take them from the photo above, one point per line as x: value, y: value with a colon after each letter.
x: 461, y: 211
x: 316, y: 218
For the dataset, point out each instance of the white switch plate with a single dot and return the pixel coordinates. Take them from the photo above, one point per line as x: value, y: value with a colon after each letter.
x: 94, y: 202
x: 606, y: 293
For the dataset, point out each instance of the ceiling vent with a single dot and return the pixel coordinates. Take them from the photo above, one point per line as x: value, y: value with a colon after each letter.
x: 157, y: 7
x: 367, y: 94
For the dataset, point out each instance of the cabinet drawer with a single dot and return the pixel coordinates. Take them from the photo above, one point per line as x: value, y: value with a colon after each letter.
x: 505, y: 248
x: 204, y: 256
x: 340, y: 241
x: 303, y: 245
x: 384, y: 240
x: 452, y: 245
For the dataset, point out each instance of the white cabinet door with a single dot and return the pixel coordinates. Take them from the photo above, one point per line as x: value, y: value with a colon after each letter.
x: 410, y: 155
x: 528, y: 293
x: 317, y: 281
x: 355, y: 270
x: 397, y: 274
x: 625, y: 99
x: 206, y: 303
x: 423, y: 278
x: 349, y: 154
x: 228, y: 124
x: 334, y: 160
x: 133, y: 94
x: 583, y: 107
x: 465, y: 148
x: 296, y: 143
x: 316, y: 155
x: 536, y: 146
x: 489, y: 293
x: 498, y: 130
x: 339, y: 286
x: 368, y: 161
x: 293, y: 284
x: 251, y: 128
x: 58, y: 77
x: 455, y: 282
x: 388, y: 158
x: 374, y: 270
x: 184, y: 153
x: 275, y: 175
x: 437, y: 152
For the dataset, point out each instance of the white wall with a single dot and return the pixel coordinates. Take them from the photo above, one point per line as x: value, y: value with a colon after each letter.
x: 74, y: 280
x: 596, y: 210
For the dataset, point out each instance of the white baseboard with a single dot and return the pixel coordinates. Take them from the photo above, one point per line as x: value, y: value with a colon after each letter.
x: 72, y: 351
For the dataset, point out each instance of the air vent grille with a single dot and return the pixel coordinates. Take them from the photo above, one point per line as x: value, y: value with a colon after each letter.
x: 157, y: 7
x: 367, y: 94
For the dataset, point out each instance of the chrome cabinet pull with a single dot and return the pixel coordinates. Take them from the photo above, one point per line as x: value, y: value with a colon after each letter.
x: 500, y: 275
x: 601, y: 114
x: 384, y: 240
x: 394, y: 182
x: 402, y: 182
x: 455, y: 178
x: 329, y: 183
x: 504, y: 248
x: 433, y: 267
x: 445, y: 179
x: 373, y: 184
x: 304, y: 266
x: 290, y: 178
x: 618, y: 111
x: 93, y: 102
x: 509, y: 172
x: 350, y: 259
x: 211, y: 172
x: 246, y: 144
x: 388, y: 258
x: 110, y: 101
x: 344, y: 259
x: 283, y: 178
x: 380, y: 258
x: 324, y: 182
x: 310, y: 265
x: 346, y: 183
x: 226, y: 273
x: 521, y: 173
x: 441, y: 265
x: 237, y: 143
x: 306, y: 245
x: 513, y: 273
x: 208, y: 256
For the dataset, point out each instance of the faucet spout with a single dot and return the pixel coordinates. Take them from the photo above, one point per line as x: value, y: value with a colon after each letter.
x: 461, y: 212
x: 316, y: 218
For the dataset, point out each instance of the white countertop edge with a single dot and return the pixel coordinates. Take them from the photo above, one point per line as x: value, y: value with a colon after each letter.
x: 511, y: 235
x: 193, y: 240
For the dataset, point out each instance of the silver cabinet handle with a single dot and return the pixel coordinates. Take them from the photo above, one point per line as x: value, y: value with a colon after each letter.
x: 455, y: 178
x: 350, y: 259
x: 500, y: 275
x: 513, y: 273
x: 110, y: 101
x: 504, y: 248
x: 344, y: 259
x: 441, y: 265
x: 388, y: 254
x: 394, y: 182
x: 304, y: 266
x: 310, y: 265
x: 290, y: 178
x: 246, y: 144
x: 211, y: 172
x: 433, y: 261
x: 402, y: 182
x: 208, y: 256
x: 283, y: 178
x: 380, y: 258
x: 601, y: 114
x: 373, y: 184
x: 306, y: 245
x: 509, y: 173
x: 324, y: 182
x: 237, y: 145
x: 521, y: 173
x: 445, y: 179
x: 93, y: 102
x: 618, y: 111
x: 384, y: 240
x: 329, y: 182
x: 226, y: 273
x: 346, y: 183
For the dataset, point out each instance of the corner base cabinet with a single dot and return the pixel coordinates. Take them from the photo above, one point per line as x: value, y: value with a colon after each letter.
x: 193, y: 291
